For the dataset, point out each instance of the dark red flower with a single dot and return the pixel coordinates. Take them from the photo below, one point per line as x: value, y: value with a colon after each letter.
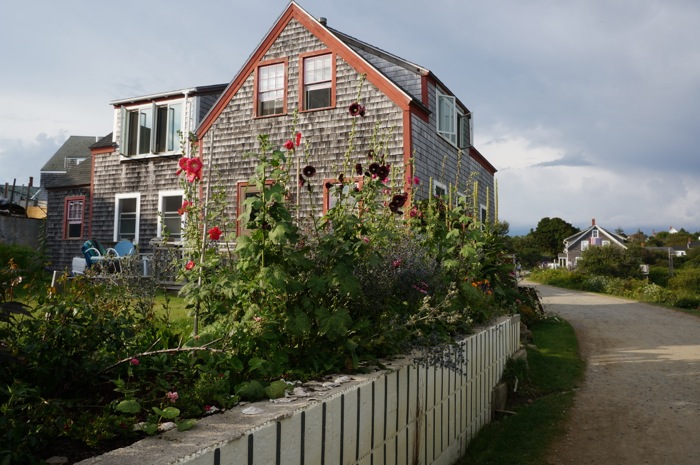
x: 329, y: 185
x: 358, y: 169
x: 309, y: 171
x: 289, y: 145
x: 370, y: 154
x: 341, y: 177
x: 301, y: 181
x: 374, y: 168
x: 355, y: 109
x: 383, y: 172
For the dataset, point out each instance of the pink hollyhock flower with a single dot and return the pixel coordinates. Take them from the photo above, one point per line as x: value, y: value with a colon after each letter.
x: 416, y: 180
x: 289, y: 145
x: 215, y: 233
x: 298, y: 139
x: 189, y: 265
x: 182, y: 163
x: 134, y: 361
x: 172, y: 396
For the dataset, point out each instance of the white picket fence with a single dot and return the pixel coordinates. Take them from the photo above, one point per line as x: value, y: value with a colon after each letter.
x: 406, y: 415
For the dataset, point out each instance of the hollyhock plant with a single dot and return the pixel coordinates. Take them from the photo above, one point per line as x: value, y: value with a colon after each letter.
x: 309, y: 171
x: 215, y: 233
x: 182, y: 210
x: 355, y: 109
x: 189, y: 265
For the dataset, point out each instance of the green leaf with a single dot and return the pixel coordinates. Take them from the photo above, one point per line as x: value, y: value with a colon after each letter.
x: 128, y: 406
x: 168, y: 412
x: 184, y: 425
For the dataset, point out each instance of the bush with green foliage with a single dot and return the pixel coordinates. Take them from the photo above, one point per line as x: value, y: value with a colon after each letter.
x: 609, y: 261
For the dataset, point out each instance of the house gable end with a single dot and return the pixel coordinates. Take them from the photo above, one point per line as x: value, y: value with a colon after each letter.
x: 330, y: 41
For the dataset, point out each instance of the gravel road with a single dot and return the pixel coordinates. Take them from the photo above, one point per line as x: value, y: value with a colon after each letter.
x: 640, y: 401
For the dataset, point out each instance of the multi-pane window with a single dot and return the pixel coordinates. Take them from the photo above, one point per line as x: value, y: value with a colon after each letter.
x: 584, y: 245
x: 152, y: 129
x: 452, y: 123
x: 439, y: 189
x: 271, y: 88
x: 126, y: 217
x: 318, y: 80
x: 170, y: 224
x: 74, y: 217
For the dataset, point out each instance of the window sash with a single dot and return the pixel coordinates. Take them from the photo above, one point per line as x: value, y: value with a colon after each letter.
x: 74, y: 218
x: 271, y: 89
x: 170, y: 218
x: 152, y: 129
x: 447, y: 117
x: 318, y: 81
x: 126, y: 217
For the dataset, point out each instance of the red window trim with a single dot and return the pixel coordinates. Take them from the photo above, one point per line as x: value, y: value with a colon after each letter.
x: 262, y: 64
x: 240, y: 189
x: 357, y: 180
x: 65, y: 217
x: 316, y: 53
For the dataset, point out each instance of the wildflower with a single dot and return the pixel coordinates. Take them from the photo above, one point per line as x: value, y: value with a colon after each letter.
x: 172, y: 396
x: 257, y: 319
x: 297, y: 141
x: 374, y: 168
x: 383, y: 172
x: 365, y: 239
x: 355, y: 109
x: 309, y: 171
x: 416, y: 180
x: 182, y: 210
x: 134, y: 361
x: 215, y: 233
x: 189, y: 265
x: 289, y: 145
x: 397, y: 263
x: 358, y: 169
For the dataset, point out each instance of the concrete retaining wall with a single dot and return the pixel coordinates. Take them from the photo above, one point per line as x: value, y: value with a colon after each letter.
x: 405, y: 415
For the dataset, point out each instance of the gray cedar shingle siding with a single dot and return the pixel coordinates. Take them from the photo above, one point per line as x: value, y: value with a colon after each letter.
x: 327, y: 131
x: 59, y: 250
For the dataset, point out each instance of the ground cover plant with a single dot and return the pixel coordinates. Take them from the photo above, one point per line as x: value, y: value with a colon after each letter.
x: 298, y: 297
x: 541, y: 403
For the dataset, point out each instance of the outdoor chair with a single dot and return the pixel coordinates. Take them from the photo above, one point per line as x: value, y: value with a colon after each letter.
x: 109, y: 259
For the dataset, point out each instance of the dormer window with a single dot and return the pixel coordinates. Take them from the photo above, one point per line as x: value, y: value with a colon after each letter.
x: 452, y: 123
x: 152, y: 129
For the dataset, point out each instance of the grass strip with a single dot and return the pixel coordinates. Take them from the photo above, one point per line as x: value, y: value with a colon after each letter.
x: 541, y: 403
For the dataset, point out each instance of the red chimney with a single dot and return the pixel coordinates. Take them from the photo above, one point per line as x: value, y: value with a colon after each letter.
x: 593, y: 222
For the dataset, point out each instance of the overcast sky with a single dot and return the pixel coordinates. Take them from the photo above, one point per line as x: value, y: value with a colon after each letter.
x: 587, y: 108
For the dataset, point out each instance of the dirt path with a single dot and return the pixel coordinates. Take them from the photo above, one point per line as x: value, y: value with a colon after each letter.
x: 640, y: 402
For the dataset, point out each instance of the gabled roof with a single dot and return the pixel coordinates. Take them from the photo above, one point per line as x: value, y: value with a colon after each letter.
x: 573, y: 239
x: 74, y: 147
x: 336, y: 42
x: 79, y: 175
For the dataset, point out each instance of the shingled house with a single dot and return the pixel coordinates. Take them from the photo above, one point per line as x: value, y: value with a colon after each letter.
x: 593, y: 236
x: 303, y: 76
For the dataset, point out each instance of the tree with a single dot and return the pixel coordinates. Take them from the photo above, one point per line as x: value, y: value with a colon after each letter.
x: 609, y: 260
x: 550, y: 234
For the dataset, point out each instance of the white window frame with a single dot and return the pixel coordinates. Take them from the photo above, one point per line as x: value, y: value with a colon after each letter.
x: 313, y: 80
x: 452, y: 123
x: 161, y: 198
x: 483, y: 213
x: 117, y: 199
x: 271, y: 88
x: 605, y: 242
x: 172, y: 142
x: 438, y: 184
x: 594, y: 233
x: 584, y: 246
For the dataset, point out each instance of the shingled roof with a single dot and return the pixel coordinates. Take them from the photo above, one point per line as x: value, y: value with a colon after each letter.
x: 74, y: 147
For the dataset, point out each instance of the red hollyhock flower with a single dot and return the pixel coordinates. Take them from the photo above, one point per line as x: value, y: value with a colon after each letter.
x: 189, y: 265
x: 298, y: 139
x: 182, y: 163
x: 289, y: 145
x: 182, y: 210
x: 215, y: 233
